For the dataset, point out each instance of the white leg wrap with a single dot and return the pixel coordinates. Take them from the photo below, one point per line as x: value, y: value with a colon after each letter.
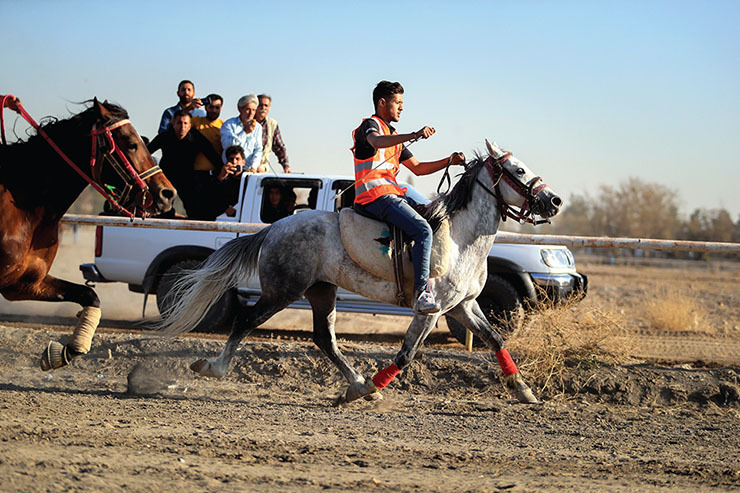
x: 81, y: 340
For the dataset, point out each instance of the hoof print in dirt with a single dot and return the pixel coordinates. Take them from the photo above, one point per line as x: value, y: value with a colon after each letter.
x: 144, y: 379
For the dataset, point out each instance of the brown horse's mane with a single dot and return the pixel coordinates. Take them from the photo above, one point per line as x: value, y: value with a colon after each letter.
x: 35, y: 172
x: 80, y: 122
x: 456, y: 199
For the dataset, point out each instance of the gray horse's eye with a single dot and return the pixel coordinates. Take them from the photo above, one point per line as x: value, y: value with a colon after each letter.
x: 520, y: 171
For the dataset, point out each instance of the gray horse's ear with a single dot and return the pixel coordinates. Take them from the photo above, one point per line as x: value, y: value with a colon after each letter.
x: 493, y: 152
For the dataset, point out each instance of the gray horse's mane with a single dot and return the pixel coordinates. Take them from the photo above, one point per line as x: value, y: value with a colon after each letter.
x: 456, y: 199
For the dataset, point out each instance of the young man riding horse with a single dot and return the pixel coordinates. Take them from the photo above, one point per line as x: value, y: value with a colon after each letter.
x: 378, y: 149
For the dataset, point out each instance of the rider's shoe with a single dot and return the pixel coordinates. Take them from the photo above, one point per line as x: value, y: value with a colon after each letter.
x: 425, y: 303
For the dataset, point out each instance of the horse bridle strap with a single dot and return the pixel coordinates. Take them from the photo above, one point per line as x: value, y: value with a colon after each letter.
x: 138, y: 179
x: 121, y: 166
x: 529, y: 191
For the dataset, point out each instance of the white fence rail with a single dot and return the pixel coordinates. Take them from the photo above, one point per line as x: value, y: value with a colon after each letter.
x: 501, y: 237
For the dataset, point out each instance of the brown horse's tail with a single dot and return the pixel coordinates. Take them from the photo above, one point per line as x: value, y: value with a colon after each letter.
x: 198, y: 290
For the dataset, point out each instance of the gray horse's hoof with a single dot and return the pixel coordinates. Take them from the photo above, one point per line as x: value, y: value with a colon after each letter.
x: 368, y: 390
x: 521, y: 390
x: 526, y: 396
x: 199, y: 365
x: 53, y: 357
x: 205, y: 368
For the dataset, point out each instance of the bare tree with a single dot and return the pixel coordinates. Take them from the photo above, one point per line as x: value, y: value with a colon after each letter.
x: 635, y: 208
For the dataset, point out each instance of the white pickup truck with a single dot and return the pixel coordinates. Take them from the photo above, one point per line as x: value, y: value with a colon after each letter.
x: 150, y: 260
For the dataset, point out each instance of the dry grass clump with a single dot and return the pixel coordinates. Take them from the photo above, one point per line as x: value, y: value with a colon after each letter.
x: 670, y: 310
x: 570, y: 335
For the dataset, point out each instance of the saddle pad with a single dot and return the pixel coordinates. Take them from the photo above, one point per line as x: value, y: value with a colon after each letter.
x: 368, y: 242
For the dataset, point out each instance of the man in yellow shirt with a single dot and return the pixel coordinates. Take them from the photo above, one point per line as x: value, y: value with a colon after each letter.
x: 210, y: 127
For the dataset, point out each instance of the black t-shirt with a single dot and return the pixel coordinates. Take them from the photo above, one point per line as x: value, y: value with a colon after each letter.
x: 177, y: 161
x: 363, y: 150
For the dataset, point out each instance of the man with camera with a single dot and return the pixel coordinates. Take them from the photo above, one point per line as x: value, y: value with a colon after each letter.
x: 222, y: 192
x: 210, y: 127
x: 188, y: 102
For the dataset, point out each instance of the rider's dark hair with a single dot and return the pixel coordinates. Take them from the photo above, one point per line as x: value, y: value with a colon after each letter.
x: 384, y: 90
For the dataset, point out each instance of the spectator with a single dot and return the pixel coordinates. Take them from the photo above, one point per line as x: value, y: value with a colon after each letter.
x: 180, y: 144
x: 244, y: 131
x: 188, y: 102
x: 273, y: 208
x: 228, y: 181
x: 289, y: 202
x: 210, y: 127
x: 271, y: 138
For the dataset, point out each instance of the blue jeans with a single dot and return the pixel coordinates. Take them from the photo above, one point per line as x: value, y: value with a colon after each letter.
x: 397, y: 210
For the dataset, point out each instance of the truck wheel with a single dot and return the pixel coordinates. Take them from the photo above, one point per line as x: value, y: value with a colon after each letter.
x: 218, y: 318
x: 502, y: 306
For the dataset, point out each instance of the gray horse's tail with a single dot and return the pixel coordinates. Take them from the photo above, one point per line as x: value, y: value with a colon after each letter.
x: 198, y: 290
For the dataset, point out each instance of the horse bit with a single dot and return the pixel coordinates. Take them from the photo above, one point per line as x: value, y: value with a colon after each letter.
x: 527, y: 191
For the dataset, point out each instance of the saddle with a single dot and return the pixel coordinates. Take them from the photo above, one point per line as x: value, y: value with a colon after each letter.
x: 379, y: 248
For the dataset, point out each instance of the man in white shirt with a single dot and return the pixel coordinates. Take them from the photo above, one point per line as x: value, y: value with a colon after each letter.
x: 244, y: 131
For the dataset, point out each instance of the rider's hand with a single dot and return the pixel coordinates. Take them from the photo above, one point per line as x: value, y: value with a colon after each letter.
x: 424, y: 133
x: 457, y: 158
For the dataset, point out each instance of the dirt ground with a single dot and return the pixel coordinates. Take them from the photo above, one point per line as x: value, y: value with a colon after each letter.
x: 131, y: 415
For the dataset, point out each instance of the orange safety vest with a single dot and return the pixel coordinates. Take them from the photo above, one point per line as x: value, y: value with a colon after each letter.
x: 373, y: 179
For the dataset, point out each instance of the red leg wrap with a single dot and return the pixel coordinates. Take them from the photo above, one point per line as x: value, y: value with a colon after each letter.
x: 385, y: 376
x: 506, y: 363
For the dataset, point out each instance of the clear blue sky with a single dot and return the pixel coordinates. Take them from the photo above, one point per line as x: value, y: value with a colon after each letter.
x: 586, y: 93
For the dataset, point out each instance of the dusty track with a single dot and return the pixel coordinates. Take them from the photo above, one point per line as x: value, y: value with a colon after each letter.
x: 670, y: 421
x: 445, y: 425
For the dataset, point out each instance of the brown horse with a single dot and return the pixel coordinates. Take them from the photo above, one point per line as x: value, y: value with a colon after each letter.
x: 36, y: 189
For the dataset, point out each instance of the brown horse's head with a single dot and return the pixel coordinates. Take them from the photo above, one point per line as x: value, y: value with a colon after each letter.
x: 124, y: 165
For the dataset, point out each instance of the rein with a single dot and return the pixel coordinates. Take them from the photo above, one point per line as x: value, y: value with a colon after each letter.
x: 528, y: 191
x: 122, y: 166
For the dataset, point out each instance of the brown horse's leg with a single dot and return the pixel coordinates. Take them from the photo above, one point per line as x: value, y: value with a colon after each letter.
x: 53, y: 289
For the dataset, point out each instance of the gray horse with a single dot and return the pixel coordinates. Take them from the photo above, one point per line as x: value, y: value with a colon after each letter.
x: 303, y: 255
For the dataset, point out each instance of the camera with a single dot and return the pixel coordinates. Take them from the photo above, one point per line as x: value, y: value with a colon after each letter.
x: 206, y: 100
x: 239, y: 168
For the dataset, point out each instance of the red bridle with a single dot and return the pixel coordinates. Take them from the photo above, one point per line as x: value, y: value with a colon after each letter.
x: 528, y: 191
x: 120, y: 163
x: 122, y: 166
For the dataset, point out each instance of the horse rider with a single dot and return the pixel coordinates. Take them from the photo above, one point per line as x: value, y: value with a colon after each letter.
x: 378, y: 149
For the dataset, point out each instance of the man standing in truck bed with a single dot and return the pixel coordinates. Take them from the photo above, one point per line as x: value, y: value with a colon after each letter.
x: 378, y: 149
